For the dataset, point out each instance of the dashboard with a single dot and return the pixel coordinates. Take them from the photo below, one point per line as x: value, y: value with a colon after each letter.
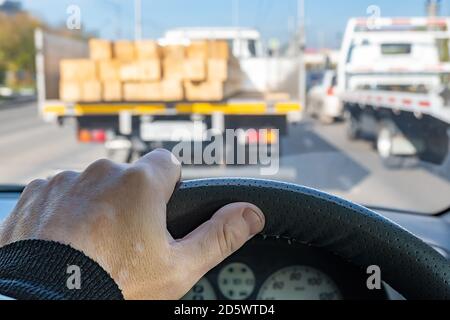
x: 275, y: 269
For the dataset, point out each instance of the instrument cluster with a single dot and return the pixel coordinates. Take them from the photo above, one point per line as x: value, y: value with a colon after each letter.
x: 276, y: 270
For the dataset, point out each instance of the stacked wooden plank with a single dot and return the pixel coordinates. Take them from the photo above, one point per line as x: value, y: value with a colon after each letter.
x: 133, y: 71
x: 211, y: 74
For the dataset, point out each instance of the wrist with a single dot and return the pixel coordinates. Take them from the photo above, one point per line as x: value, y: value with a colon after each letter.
x: 37, y: 269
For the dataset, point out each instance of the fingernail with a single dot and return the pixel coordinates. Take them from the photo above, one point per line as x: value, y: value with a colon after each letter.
x: 254, y: 219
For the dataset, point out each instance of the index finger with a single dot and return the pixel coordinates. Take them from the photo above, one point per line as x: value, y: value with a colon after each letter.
x: 165, y: 167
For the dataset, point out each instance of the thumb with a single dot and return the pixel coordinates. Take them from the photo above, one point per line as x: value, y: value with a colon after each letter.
x: 227, y: 231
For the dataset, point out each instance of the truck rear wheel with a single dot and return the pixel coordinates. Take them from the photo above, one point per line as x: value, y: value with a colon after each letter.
x: 353, y: 128
x: 385, y: 142
x: 384, y: 145
x: 326, y: 120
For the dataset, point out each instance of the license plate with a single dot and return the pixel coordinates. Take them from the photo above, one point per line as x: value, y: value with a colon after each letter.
x: 173, y: 131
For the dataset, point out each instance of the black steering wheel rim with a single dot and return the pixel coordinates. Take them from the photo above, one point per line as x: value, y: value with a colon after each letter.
x: 317, y: 219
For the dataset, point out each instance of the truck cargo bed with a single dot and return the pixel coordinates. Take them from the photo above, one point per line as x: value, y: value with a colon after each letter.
x: 240, y: 104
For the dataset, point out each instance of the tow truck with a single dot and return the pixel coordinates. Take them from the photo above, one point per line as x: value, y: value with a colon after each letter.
x: 393, y: 78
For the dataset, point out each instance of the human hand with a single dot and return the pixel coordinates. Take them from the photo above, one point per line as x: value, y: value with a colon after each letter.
x: 116, y: 214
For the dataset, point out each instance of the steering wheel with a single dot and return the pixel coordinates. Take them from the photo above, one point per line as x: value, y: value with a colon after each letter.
x: 307, y: 216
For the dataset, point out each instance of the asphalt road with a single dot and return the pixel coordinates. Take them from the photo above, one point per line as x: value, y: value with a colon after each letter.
x: 314, y: 155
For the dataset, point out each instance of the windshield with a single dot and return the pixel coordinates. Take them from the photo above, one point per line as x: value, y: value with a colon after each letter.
x: 349, y: 98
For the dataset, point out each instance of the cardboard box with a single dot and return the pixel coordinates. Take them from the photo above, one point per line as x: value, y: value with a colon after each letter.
x: 109, y: 70
x: 198, y: 49
x: 147, y: 50
x: 145, y: 70
x: 124, y: 50
x: 100, y: 49
x: 84, y: 91
x: 204, y: 91
x: 91, y: 91
x: 70, y: 91
x: 78, y: 70
x: 173, y: 68
x: 172, y: 90
x: 195, y: 69
x: 219, y: 50
x: 217, y: 69
x: 132, y: 92
x: 210, y: 90
x: 129, y: 72
x: 149, y: 70
x: 174, y: 52
x: 144, y: 91
x: 112, y: 91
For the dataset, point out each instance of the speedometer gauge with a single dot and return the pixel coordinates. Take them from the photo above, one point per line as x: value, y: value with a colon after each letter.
x: 299, y: 283
x: 236, y: 281
x: 203, y: 290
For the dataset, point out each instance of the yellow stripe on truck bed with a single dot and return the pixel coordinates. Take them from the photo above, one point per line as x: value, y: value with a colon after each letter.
x: 238, y: 108
x: 286, y: 107
x: 226, y: 108
x: 55, y: 109
x: 110, y: 109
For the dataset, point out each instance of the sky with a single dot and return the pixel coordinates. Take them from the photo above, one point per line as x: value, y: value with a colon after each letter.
x: 325, y: 19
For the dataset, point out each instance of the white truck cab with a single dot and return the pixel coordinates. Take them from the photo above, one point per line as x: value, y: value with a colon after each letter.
x: 393, y: 78
x: 244, y: 42
x: 394, y: 53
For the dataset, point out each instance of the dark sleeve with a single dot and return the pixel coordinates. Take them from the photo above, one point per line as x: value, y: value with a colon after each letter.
x: 43, y: 270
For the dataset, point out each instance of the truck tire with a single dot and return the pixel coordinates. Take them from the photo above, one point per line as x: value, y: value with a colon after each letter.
x: 326, y: 120
x: 436, y: 144
x: 353, y: 128
x: 311, y: 109
x: 384, y: 146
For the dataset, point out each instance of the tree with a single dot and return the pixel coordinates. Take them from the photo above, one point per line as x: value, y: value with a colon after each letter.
x: 17, y: 52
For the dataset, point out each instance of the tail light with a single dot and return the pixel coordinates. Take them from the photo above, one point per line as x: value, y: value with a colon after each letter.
x: 270, y: 136
x: 265, y: 136
x: 84, y: 136
x: 330, y: 91
x: 92, y: 136
x: 99, y: 136
x: 252, y: 137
